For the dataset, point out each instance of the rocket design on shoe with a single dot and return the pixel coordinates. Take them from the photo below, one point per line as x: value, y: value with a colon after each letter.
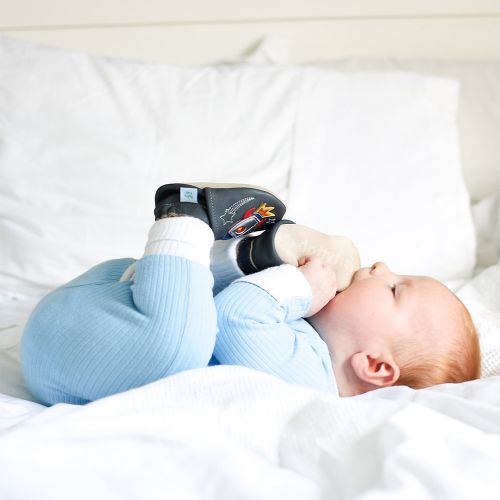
x: 252, y: 219
x: 228, y: 215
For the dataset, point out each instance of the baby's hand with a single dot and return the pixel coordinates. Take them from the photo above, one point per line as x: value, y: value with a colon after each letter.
x: 322, y: 280
x: 294, y: 243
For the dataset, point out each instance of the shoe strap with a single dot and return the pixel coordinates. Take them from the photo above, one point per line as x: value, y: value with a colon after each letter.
x: 259, y: 252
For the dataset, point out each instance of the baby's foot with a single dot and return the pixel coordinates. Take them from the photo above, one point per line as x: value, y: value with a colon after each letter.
x: 289, y: 243
x: 231, y: 210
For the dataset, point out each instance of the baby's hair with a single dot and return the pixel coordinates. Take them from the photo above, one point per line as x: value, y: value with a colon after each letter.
x: 458, y: 362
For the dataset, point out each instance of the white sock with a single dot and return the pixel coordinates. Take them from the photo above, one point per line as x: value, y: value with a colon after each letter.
x: 186, y: 237
x: 223, y: 263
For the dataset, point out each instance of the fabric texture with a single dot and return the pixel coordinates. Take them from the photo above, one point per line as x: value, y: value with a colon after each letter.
x: 97, y: 335
x: 113, y: 329
x: 261, y: 326
x: 234, y: 433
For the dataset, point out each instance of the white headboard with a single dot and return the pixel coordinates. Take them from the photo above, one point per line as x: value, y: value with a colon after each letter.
x: 203, y: 31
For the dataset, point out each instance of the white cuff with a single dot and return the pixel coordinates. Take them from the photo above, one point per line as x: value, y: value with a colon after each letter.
x: 186, y: 237
x: 282, y: 282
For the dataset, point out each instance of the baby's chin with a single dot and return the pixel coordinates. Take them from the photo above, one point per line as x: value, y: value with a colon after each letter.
x: 347, y: 279
x: 328, y: 309
x: 340, y: 292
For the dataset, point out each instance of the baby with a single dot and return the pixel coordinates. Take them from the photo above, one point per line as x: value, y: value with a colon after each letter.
x: 125, y: 323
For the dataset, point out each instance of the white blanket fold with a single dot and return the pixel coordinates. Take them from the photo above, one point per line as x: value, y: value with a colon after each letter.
x: 231, y: 432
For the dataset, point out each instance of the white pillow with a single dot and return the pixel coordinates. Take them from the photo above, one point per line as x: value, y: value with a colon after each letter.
x: 486, y: 215
x: 478, y: 115
x: 376, y: 158
x: 86, y: 140
x: 480, y: 295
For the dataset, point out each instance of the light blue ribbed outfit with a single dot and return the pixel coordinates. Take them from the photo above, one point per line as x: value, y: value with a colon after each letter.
x: 110, y: 330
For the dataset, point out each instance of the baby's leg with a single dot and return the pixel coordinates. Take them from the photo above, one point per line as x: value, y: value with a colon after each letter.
x: 98, y: 335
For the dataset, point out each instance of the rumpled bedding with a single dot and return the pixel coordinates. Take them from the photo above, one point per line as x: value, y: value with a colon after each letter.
x: 235, y: 433
x: 231, y: 432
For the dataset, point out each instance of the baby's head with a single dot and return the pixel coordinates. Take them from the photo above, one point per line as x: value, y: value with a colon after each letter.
x: 388, y: 329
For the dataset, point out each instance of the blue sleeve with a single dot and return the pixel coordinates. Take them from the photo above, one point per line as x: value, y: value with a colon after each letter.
x: 260, y: 327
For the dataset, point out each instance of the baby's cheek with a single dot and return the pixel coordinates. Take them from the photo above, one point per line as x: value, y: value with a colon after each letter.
x: 340, y: 308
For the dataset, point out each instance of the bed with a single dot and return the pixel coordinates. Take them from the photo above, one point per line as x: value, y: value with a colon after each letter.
x: 400, y: 153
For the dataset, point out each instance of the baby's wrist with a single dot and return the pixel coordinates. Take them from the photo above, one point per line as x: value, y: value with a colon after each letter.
x: 282, y: 282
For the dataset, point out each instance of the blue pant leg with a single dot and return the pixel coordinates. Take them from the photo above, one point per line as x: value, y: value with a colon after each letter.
x: 177, y: 292
x: 97, y: 336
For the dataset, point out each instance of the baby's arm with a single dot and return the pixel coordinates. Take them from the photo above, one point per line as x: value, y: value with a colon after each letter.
x: 260, y: 326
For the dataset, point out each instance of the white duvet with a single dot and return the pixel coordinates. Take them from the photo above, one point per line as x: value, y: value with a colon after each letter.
x: 231, y: 432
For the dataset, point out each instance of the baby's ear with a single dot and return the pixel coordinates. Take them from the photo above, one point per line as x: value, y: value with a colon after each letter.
x: 377, y: 369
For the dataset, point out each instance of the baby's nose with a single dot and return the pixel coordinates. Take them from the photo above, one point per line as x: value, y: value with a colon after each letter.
x: 378, y: 268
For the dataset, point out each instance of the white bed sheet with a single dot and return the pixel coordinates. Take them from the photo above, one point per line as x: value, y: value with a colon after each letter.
x: 231, y: 432
x: 16, y: 303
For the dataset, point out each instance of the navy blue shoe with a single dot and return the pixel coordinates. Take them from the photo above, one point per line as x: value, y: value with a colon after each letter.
x: 231, y: 210
x: 259, y: 252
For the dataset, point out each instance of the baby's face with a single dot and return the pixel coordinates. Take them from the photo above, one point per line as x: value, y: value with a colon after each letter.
x: 381, y: 305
